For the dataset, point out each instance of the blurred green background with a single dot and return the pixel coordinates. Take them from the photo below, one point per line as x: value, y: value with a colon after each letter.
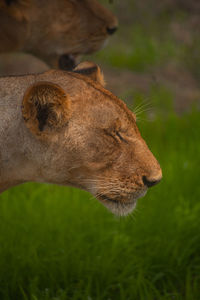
x: 59, y: 243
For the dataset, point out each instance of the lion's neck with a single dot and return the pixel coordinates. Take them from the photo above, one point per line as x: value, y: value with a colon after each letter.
x: 23, y: 157
x: 15, y: 165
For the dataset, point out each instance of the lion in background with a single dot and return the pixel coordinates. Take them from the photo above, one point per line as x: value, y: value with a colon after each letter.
x: 57, y: 32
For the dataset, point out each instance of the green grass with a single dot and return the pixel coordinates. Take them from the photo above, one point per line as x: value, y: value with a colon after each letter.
x: 59, y: 243
x: 136, y: 49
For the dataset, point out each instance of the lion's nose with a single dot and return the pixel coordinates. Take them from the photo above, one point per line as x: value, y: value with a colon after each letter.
x: 152, y: 180
x: 111, y: 30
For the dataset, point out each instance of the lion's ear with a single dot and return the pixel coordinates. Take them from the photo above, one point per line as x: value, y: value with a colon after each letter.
x: 45, y: 108
x: 91, y: 70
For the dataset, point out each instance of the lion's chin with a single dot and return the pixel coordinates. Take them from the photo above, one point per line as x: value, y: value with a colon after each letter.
x: 120, y: 210
x: 119, y: 207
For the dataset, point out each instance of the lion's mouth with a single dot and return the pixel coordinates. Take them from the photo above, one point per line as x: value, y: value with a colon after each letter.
x: 67, y: 62
x: 115, y: 201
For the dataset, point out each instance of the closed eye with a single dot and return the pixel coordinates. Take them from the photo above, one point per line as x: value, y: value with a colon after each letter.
x: 120, y: 137
x: 111, y: 134
x: 115, y: 135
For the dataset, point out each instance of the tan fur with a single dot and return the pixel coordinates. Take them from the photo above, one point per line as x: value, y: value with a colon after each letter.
x: 87, y: 139
x: 92, y: 70
x: 49, y: 29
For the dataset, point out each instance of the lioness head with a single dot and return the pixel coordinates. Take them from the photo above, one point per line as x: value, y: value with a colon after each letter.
x: 55, y: 31
x: 91, y: 138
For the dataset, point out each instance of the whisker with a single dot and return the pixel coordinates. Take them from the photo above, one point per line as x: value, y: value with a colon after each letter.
x: 142, y: 119
x: 143, y: 103
x: 74, y: 167
x: 143, y: 107
x: 131, y: 216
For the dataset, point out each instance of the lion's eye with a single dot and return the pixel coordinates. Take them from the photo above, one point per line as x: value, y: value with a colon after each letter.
x: 120, y: 136
x: 116, y: 135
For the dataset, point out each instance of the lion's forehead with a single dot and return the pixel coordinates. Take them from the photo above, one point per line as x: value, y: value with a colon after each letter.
x: 87, y: 89
x: 91, y: 102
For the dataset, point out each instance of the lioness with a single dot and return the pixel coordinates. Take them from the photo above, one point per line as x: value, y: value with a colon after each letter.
x: 65, y: 128
x: 55, y: 31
